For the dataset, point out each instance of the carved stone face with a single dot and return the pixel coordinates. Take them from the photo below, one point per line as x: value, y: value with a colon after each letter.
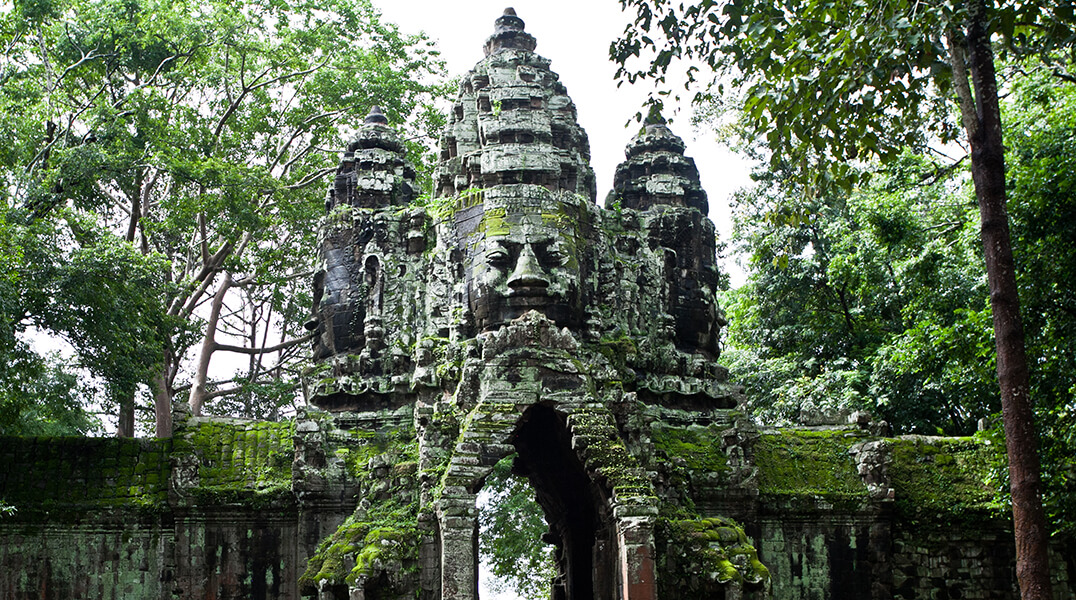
x: 522, y: 262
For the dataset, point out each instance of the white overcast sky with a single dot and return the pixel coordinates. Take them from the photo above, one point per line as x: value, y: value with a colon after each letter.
x: 575, y: 36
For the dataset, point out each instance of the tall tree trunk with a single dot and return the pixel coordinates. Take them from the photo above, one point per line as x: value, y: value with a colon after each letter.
x: 125, y: 426
x: 209, y: 346
x: 982, y: 121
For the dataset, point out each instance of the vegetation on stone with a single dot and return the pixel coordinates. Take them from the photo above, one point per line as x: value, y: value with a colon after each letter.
x: 810, y: 464
x: 950, y: 478
x: 237, y: 462
x: 70, y: 477
x: 703, y: 556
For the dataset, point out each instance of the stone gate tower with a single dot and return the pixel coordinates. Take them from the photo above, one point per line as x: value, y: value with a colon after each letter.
x: 513, y: 316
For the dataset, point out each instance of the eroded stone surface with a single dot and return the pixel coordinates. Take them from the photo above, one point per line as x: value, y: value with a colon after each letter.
x: 524, y: 319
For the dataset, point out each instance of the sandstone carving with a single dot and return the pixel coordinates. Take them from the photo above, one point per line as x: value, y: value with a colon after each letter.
x: 520, y: 318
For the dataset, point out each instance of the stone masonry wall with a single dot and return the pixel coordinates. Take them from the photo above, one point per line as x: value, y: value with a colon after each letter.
x: 210, y: 513
x: 235, y: 509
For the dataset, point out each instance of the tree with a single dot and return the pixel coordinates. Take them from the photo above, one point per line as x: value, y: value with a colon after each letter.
x: 872, y: 300
x: 828, y: 81
x: 199, y: 134
x: 511, y: 526
x: 67, y: 292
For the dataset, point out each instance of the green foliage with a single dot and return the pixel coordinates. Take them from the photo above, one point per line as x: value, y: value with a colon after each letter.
x: 868, y: 300
x: 100, y: 296
x: 147, y: 148
x: 1042, y: 164
x: 41, y: 395
x: 511, y: 525
x: 107, y: 302
x: 824, y: 82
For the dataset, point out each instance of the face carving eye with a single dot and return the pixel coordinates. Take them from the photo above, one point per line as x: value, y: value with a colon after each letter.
x: 498, y: 257
x: 556, y: 255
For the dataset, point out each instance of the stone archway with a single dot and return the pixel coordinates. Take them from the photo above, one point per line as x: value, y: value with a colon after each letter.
x: 532, y: 399
x: 574, y: 505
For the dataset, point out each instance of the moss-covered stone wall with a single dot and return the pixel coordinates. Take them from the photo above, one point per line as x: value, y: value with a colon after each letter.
x: 87, y: 519
x: 68, y: 477
x: 210, y: 513
x: 242, y: 509
x: 843, y: 514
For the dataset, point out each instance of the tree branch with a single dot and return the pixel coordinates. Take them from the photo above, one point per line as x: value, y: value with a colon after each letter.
x: 969, y: 115
x: 269, y: 350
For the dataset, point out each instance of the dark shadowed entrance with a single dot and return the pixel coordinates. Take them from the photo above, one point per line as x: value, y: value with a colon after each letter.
x: 572, y: 503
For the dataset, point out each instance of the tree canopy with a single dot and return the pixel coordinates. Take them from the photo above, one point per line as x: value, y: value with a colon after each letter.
x: 824, y: 82
x: 870, y: 300
x: 163, y: 164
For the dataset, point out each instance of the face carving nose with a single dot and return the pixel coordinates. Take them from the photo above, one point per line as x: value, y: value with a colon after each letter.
x: 528, y: 271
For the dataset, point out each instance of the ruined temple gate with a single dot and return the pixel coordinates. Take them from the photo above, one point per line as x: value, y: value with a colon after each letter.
x: 518, y: 317
x: 510, y: 316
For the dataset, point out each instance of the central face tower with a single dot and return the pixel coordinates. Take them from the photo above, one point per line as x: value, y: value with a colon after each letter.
x: 515, y: 155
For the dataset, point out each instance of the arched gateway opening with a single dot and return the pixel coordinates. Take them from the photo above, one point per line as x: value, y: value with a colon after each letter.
x: 516, y: 556
x: 573, y: 506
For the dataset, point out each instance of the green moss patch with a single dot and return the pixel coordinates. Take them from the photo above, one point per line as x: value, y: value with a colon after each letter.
x: 699, y: 447
x: 945, y: 476
x: 381, y: 539
x: 239, y: 462
x: 374, y: 444
x: 809, y: 464
x: 606, y: 454
x: 362, y: 548
x: 699, y: 557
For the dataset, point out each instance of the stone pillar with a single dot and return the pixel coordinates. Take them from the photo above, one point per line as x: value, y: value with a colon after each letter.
x: 635, y: 541
x: 459, y: 554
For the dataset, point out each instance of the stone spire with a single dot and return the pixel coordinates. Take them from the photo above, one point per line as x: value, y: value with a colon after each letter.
x: 513, y: 123
x: 374, y: 171
x: 366, y: 242
x: 508, y: 33
x: 656, y: 172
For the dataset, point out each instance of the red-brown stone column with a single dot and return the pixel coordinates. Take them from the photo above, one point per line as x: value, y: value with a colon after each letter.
x: 635, y: 538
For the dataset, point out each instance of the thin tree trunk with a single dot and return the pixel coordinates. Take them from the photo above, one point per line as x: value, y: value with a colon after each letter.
x: 136, y: 208
x: 982, y: 120
x: 209, y: 346
x: 162, y: 403
x: 126, y: 424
